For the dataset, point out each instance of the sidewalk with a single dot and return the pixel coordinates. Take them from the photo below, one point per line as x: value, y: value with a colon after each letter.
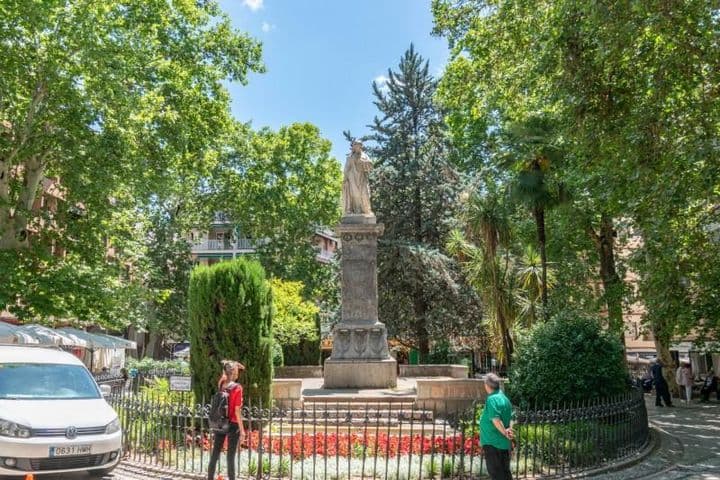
x: 688, y: 444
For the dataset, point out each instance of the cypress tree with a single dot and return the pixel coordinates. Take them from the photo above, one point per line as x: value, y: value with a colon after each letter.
x: 230, y: 310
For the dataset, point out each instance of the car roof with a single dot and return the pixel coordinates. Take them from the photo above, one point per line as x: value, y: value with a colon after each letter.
x: 17, y: 354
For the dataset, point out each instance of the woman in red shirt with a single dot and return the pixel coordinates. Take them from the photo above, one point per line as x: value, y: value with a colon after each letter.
x: 227, y: 382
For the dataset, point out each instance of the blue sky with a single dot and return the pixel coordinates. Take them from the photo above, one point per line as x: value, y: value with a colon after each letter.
x: 322, y: 56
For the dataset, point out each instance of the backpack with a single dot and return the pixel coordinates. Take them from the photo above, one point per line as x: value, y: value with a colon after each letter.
x: 219, y: 417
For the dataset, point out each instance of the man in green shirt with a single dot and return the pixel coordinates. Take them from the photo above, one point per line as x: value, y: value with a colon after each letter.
x: 495, y: 432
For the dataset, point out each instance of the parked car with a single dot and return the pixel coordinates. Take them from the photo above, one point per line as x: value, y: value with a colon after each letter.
x: 53, y: 417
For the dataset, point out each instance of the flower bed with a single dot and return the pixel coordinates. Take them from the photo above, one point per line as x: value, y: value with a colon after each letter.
x: 304, y: 445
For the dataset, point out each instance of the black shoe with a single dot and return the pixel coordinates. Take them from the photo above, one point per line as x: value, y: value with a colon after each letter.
x: 658, y: 405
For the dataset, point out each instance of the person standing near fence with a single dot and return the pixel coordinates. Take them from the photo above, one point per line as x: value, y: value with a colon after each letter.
x: 227, y: 382
x: 661, y: 386
x: 495, y: 432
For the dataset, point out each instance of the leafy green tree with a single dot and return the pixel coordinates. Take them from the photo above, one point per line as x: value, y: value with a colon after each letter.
x: 636, y: 113
x: 295, y: 326
x: 415, y: 191
x: 168, y: 263
x: 119, y: 100
x: 230, y: 317
x: 285, y: 186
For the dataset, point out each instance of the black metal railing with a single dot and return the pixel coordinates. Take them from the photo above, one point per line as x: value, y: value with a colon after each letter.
x: 393, y: 440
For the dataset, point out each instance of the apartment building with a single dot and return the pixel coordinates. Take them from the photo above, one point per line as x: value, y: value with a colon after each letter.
x: 224, y: 241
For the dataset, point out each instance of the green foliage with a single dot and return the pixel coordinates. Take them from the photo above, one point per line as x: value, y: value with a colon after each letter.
x: 415, y: 190
x: 440, y: 353
x: 432, y: 467
x: 122, y: 101
x: 158, y: 390
x: 570, y: 358
x: 230, y: 306
x: 629, y: 112
x: 285, y: 185
x: 148, y: 365
x: 573, y: 444
x: 278, y: 359
x: 295, y: 325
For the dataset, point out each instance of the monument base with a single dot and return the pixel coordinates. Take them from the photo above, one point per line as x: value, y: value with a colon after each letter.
x: 360, y: 373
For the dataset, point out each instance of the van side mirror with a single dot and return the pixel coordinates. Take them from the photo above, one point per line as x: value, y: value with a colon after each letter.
x: 106, y: 390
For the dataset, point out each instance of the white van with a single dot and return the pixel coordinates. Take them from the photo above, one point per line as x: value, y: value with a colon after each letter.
x: 53, y: 417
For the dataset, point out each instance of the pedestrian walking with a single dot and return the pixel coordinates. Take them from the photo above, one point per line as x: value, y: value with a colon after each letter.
x: 661, y: 386
x: 234, y: 429
x: 684, y: 379
x: 495, y: 432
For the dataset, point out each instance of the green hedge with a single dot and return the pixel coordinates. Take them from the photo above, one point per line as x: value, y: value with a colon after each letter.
x: 570, y: 358
x: 230, y: 310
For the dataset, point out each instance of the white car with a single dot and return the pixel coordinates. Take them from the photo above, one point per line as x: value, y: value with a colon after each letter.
x: 53, y: 417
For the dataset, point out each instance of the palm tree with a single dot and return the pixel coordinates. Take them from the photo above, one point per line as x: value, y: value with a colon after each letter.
x: 531, y: 150
x: 488, y: 265
x: 530, y: 280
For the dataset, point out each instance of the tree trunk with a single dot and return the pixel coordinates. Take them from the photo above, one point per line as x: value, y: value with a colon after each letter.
x: 421, y: 331
x: 663, y: 354
x: 507, y: 340
x: 14, y: 228
x: 612, y: 283
x: 539, y: 214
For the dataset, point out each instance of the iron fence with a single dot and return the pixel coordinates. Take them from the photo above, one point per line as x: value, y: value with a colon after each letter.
x: 390, y: 440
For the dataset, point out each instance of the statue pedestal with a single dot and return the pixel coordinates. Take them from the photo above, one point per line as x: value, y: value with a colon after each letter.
x: 360, y: 357
x: 360, y: 373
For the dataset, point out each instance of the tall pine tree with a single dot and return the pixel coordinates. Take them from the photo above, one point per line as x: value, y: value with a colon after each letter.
x: 415, y: 191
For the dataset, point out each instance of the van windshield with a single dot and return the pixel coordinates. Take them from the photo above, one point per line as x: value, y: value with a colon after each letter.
x: 43, y: 381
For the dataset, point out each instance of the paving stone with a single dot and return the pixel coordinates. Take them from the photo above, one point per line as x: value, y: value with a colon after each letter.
x: 689, y: 444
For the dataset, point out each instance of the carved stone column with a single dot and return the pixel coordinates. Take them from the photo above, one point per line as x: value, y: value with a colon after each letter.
x: 360, y: 356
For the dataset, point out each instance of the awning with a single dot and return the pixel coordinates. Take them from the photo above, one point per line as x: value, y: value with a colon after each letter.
x: 96, y: 340
x: 13, y: 334
x: 48, y: 336
x: 70, y: 337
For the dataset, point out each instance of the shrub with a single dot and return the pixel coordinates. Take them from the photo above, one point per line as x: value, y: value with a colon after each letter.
x: 296, y: 324
x: 149, y: 365
x: 570, y: 358
x: 230, y: 317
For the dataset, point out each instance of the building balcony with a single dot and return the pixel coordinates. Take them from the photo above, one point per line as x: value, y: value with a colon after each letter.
x: 245, y: 245
x: 325, y: 256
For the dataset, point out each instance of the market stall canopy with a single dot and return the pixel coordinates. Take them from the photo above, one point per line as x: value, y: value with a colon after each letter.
x: 49, y: 336
x: 97, y: 340
x: 66, y: 337
x: 13, y: 334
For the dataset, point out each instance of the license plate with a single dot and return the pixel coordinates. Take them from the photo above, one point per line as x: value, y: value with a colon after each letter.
x: 70, y: 450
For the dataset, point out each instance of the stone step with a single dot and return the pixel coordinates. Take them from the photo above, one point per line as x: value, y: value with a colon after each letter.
x: 320, y: 415
x: 406, y: 401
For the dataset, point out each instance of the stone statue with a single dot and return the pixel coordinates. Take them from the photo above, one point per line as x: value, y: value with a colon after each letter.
x: 356, y: 187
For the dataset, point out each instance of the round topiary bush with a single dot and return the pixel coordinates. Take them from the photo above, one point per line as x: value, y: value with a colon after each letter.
x: 230, y: 317
x: 569, y: 358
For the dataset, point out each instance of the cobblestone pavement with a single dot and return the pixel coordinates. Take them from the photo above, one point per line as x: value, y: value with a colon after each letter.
x: 688, y: 444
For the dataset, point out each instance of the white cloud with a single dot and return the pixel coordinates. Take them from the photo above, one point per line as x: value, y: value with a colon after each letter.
x: 253, y: 5
x: 382, y: 83
x: 266, y: 27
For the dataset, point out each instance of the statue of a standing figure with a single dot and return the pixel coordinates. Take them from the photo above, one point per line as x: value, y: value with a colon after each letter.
x: 356, y: 185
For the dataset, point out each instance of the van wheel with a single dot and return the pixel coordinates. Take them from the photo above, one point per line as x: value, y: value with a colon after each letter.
x: 101, y: 473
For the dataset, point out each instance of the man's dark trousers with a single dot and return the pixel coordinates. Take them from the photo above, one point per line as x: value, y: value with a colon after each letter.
x: 498, y: 463
x: 661, y: 390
